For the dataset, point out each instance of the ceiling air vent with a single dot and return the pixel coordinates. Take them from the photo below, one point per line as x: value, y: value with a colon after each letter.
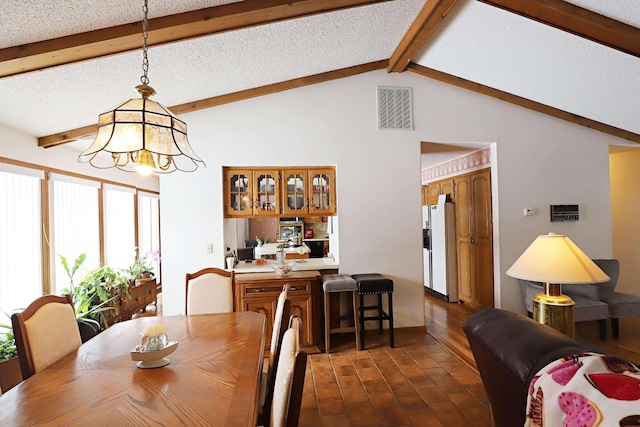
x: 395, y: 108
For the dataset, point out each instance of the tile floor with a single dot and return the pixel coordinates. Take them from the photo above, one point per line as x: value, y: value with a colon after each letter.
x: 417, y: 383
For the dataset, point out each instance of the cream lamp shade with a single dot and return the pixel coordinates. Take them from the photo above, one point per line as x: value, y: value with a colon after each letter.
x: 554, y: 258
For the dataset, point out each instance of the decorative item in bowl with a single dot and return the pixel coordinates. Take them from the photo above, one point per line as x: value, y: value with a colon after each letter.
x: 152, y: 351
x: 283, y: 269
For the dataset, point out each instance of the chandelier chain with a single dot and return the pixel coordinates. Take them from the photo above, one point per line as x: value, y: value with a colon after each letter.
x: 145, y: 59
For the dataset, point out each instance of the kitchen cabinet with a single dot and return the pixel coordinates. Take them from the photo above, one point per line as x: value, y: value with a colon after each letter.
x: 474, y: 238
x: 309, y: 192
x: 425, y: 195
x: 436, y: 188
x: 259, y: 292
x: 279, y: 192
x: 249, y: 192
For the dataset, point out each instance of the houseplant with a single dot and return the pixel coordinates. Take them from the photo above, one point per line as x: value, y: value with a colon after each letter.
x: 10, y: 373
x: 90, y: 299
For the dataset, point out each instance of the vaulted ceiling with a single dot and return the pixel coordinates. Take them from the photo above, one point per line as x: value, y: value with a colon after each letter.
x: 62, y: 62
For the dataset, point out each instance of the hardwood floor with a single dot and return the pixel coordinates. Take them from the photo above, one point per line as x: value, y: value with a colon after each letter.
x: 429, y: 379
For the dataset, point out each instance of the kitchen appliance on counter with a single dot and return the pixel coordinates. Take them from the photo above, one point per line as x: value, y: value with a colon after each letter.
x: 290, y: 229
x: 308, y: 233
x: 442, y: 254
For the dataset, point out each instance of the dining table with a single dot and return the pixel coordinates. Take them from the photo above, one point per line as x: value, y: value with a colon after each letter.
x: 212, y: 378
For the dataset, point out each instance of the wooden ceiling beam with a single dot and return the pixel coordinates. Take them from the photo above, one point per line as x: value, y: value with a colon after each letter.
x: 576, y: 20
x: 429, y: 18
x: 167, y: 29
x: 74, y: 134
x: 522, y: 102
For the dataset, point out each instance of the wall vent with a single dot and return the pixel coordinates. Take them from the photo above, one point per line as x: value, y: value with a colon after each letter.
x: 395, y: 109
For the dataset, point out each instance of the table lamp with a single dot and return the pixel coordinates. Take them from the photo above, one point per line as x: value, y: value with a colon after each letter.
x: 554, y: 259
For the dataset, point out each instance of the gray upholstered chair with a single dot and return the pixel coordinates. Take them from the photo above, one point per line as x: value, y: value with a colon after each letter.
x: 620, y: 304
x: 587, y: 303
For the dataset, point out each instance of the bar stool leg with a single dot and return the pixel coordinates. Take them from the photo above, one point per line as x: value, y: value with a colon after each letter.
x: 361, y: 322
x: 390, y: 319
x: 327, y: 323
x: 356, y: 318
x: 380, y: 327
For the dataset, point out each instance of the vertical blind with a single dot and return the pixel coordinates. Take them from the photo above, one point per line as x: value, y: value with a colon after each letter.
x: 119, y: 224
x: 149, y: 228
x: 20, y: 237
x: 75, y: 226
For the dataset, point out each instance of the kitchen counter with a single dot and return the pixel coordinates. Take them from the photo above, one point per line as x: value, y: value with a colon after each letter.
x: 272, y: 248
x: 308, y: 265
x: 321, y: 239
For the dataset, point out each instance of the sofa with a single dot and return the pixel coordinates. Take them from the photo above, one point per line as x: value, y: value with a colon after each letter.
x: 509, y: 349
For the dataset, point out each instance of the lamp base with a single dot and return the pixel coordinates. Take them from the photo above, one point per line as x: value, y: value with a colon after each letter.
x: 554, y: 311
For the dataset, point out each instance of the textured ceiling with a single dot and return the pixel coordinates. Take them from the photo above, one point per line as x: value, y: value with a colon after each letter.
x: 476, y: 41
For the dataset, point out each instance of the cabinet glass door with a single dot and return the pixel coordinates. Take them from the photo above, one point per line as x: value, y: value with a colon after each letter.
x: 322, y: 192
x: 266, y: 194
x: 239, y: 202
x: 295, y: 191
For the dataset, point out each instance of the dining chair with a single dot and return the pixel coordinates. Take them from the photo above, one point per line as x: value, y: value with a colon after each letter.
x: 45, y: 331
x: 209, y: 290
x: 280, y: 326
x: 287, y: 397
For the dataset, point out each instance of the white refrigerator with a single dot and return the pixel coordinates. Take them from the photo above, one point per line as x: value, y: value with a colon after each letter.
x: 444, y: 271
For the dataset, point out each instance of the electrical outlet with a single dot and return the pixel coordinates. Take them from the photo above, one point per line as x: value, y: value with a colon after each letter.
x: 528, y: 211
x: 210, y: 248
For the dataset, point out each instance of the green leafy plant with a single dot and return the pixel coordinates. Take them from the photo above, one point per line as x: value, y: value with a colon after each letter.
x: 142, y: 264
x: 7, y: 342
x: 91, y: 296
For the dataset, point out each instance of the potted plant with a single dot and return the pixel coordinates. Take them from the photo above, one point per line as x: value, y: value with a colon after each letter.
x: 142, y: 267
x: 89, y: 300
x: 10, y: 373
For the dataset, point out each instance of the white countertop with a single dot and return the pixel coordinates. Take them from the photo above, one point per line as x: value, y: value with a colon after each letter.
x: 272, y: 248
x: 308, y: 264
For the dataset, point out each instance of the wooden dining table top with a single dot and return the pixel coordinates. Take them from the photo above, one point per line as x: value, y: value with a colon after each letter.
x: 212, y: 380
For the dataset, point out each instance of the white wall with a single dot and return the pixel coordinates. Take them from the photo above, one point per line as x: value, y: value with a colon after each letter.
x: 538, y: 161
x: 17, y: 145
x: 625, y: 193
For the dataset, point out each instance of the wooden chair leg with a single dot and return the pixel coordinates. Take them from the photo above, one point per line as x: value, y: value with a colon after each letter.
x: 356, y: 318
x: 327, y: 323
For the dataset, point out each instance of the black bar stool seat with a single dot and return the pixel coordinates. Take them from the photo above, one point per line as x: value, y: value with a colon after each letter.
x: 375, y: 284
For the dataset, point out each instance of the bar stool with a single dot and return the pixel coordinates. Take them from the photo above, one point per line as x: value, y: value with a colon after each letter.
x: 375, y: 284
x: 339, y: 283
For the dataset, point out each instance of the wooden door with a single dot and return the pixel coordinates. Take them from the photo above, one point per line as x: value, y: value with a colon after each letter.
x: 294, y: 192
x: 483, y: 234
x: 434, y: 192
x: 238, y: 196
x: 474, y: 240
x: 447, y: 187
x: 266, y: 192
x: 464, y: 245
x: 301, y: 306
x: 322, y: 192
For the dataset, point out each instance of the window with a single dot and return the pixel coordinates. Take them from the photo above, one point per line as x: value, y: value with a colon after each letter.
x: 75, y: 226
x: 21, y: 241
x: 149, y: 229
x: 119, y: 226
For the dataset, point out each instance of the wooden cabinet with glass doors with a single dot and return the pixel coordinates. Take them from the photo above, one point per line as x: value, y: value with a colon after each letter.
x: 251, y: 192
x: 309, y: 191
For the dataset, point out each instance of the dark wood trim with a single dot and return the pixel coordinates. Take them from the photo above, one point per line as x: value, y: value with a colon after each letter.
x: 522, y: 102
x: 576, y: 20
x: 429, y: 18
x: 73, y: 134
x: 167, y: 29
